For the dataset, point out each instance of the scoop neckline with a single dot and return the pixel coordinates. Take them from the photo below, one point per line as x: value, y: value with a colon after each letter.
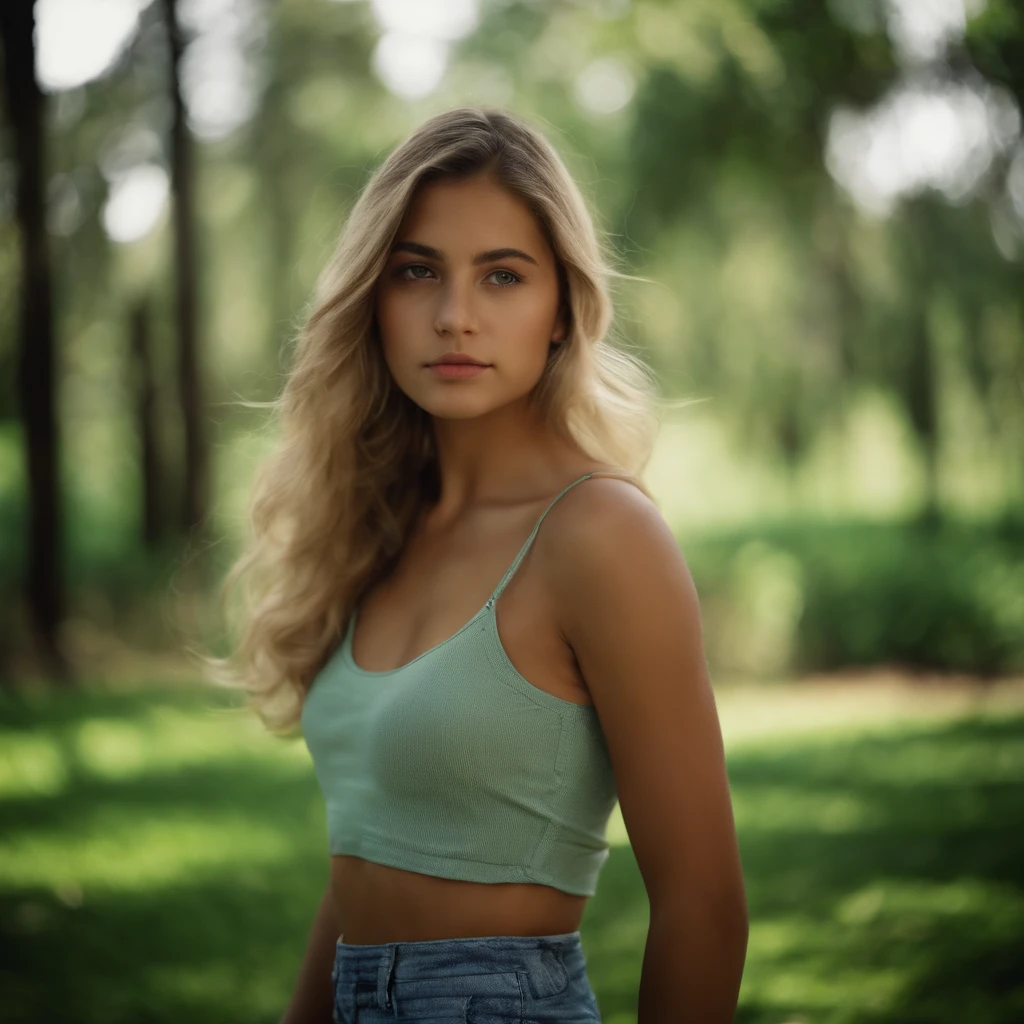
x: 349, y: 658
x: 351, y: 661
x: 523, y: 684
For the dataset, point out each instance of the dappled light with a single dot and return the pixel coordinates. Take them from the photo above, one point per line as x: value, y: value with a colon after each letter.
x: 881, y: 858
x: 941, y: 136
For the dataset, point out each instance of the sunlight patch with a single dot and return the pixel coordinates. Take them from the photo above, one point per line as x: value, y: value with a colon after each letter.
x: 124, y: 853
x: 31, y: 766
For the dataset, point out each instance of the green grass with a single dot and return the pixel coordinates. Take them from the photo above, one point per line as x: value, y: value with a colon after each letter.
x: 161, y: 859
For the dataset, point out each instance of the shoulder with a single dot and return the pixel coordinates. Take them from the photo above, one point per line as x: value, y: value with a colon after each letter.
x: 608, y: 541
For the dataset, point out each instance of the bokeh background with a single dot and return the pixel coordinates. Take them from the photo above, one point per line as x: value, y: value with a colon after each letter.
x: 827, y: 202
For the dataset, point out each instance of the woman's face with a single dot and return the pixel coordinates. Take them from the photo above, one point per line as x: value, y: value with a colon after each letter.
x: 471, y: 273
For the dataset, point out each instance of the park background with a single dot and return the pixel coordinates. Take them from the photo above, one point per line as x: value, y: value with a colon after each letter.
x: 827, y: 202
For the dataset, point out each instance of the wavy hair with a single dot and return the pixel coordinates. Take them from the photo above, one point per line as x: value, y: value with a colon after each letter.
x: 333, y: 503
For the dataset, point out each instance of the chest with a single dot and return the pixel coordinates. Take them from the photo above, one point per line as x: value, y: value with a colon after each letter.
x: 437, y: 588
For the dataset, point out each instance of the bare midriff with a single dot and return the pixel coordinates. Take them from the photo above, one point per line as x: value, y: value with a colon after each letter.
x: 375, y: 903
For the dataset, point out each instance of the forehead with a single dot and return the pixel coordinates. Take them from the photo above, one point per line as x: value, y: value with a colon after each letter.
x: 465, y: 216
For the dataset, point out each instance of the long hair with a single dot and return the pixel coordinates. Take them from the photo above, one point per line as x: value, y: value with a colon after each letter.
x: 333, y: 503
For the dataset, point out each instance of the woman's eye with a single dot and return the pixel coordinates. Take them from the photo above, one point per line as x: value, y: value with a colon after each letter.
x: 507, y: 273
x: 412, y: 266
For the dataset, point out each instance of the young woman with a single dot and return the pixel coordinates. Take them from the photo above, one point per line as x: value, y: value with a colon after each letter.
x: 464, y: 594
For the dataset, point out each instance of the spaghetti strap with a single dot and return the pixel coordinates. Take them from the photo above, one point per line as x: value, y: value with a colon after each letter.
x: 529, y: 540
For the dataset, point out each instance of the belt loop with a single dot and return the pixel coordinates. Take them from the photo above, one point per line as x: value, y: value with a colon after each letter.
x: 385, y: 976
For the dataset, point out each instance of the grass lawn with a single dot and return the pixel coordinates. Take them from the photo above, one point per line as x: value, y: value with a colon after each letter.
x: 161, y: 858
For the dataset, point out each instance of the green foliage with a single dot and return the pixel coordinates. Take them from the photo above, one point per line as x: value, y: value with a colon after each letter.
x: 163, y: 858
x: 814, y: 596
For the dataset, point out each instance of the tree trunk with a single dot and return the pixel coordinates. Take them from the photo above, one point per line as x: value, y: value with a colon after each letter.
x: 43, y: 581
x: 144, y: 392
x: 920, y: 395
x: 194, y: 484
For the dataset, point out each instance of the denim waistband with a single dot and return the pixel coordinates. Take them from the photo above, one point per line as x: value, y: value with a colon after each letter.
x: 544, y: 962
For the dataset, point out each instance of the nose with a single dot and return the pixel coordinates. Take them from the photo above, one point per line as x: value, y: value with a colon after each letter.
x: 456, y: 310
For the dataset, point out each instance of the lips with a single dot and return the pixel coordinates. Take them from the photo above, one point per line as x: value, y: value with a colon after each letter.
x: 457, y: 359
x: 457, y: 371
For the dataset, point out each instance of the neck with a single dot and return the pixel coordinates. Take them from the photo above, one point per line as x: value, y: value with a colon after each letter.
x: 493, y: 458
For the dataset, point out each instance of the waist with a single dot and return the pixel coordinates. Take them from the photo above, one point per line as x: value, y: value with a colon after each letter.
x: 375, y: 903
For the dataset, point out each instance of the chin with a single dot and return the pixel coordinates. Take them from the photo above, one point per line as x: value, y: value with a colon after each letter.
x: 458, y: 407
x: 455, y: 401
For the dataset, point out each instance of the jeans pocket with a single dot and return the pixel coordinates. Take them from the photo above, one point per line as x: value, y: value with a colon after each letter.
x: 573, y: 1003
x: 547, y: 977
x: 500, y: 1003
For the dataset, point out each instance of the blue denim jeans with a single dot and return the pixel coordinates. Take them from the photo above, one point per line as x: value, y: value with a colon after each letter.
x: 493, y: 979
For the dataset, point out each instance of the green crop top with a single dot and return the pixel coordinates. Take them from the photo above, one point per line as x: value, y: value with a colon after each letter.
x: 455, y: 765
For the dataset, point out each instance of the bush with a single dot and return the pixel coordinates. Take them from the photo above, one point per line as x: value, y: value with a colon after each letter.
x: 814, y: 596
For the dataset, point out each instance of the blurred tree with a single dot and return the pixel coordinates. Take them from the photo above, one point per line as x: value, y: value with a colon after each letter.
x: 142, y: 386
x: 190, y: 392
x: 36, y: 398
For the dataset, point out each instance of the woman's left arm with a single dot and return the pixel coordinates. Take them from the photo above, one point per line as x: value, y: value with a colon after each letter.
x: 629, y: 609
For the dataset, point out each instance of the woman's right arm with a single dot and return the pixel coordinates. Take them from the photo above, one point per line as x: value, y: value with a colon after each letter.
x: 313, y: 999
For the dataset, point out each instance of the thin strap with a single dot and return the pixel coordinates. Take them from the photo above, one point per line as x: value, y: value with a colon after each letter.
x: 529, y: 540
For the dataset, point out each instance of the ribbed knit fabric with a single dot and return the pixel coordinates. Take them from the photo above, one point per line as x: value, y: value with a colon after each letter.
x: 455, y: 765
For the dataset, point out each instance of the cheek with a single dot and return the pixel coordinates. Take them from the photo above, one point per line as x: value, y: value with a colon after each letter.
x: 532, y: 323
x: 388, y: 315
x: 389, y: 334
x: 394, y: 327
x: 539, y: 309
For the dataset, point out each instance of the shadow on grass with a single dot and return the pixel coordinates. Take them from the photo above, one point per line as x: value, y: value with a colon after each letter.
x: 902, y: 898
x: 885, y: 878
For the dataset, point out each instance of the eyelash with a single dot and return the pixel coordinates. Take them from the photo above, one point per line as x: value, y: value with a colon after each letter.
x: 399, y: 273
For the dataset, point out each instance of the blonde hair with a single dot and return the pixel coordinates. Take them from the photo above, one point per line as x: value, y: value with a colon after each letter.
x: 332, y: 505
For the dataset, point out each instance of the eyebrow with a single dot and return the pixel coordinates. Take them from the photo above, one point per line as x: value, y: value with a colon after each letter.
x: 482, y: 257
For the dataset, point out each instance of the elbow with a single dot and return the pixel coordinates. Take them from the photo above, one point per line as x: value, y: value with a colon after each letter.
x: 728, y: 926
x: 741, y: 929
x: 735, y: 918
x: 730, y: 923
x: 736, y: 913
x: 723, y: 916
